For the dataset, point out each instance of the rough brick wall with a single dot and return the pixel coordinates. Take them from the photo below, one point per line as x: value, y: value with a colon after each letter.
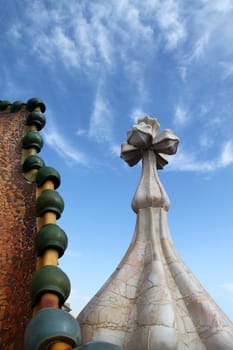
x: 17, y: 234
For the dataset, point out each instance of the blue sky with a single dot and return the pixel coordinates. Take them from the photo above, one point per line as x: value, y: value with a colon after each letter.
x: 98, y: 66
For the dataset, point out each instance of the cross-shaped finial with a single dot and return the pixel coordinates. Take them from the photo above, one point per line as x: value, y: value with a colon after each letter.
x: 143, y: 137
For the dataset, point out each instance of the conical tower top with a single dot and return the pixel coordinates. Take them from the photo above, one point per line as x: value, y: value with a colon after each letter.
x: 152, y: 300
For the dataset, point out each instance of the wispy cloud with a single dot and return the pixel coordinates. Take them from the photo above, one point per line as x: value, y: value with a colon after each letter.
x: 181, y: 116
x: 79, y: 41
x: 11, y: 87
x: 221, y: 6
x: 76, y: 295
x: 65, y: 46
x: 187, y: 161
x: 15, y: 32
x: 226, y: 157
x: 64, y: 32
x: 61, y: 145
x: 228, y: 287
x: 101, y: 121
x: 184, y: 161
x: 115, y: 149
x: 105, y: 40
x: 80, y: 132
x: 212, y: 38
x: 206, y: 141
x: 171, y: 23
x: 100, y: 37
x: 227, y: 69
x: 57, y: 141
x: 136, y: 114
x: 200, y: 46
x: 77, y: 301
x: 73, y: 253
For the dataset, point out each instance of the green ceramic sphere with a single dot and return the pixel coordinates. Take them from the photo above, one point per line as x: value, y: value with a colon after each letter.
x: 48, y: 173
x: 32, y: 139
x: 51, y: 325
x: 99, y: 345
x: 36, y: 118
x: 33, y: 162
x: 4, y: 104
x: 49, y: 200
x: 35, y: 103
x: 50, y: 279
x: 16, y: 106
x: 51, y: 236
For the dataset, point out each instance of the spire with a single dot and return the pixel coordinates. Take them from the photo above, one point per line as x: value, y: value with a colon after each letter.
x: 152, y: 300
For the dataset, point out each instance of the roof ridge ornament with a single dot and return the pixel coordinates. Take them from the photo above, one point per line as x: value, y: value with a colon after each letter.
x: 144, y: 143
x: 143, y: 136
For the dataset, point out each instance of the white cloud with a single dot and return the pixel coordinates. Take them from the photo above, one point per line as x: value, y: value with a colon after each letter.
x: 115, y: 149
x: 136, y: 114
x: 227, y: 69
x: 101, y: 33
x: 63, y: 148
x: 101, y: 122
x: 135, y: 74
x: 103, y: 43
x: 110, y: 31
x: 183, y: 71
x: 171, y: 23
x: 185, y: 161
x: 99, y: 36
x: 206, y: 141
x: 228, y: 287
x: 64, y: 45
x: 181, y: 115
x: 11, y: 87
x: 15, y: 32
x: 77, y: 40
x: 222, y: 6
x: 84, y: 39
x: 77, y: 301
x: 57, y: 45
x: 200, y: 46
x: 226, y: 157
x: 61, y: 145
x: 72, y: 253
x: 207, y: 37
x: 209, y: 40
x: 81, y: 132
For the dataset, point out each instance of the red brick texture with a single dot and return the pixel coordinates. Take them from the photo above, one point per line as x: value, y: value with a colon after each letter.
x: 17, y: 234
